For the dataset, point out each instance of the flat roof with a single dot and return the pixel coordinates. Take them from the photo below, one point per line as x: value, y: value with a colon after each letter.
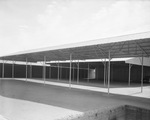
x: 138, y: 61
x: 133, y: 45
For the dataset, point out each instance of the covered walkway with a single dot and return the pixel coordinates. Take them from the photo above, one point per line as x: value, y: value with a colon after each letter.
x: 132, y: 45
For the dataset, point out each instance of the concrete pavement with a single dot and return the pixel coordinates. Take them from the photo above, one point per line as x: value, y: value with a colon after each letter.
x: 130, y: 91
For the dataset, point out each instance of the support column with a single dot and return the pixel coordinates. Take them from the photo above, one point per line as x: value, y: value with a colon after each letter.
x: 58, y: 71
x: 108, y: 72
x: 111, y: 75
x: 26, y: 69
x: 129, y: 79
x: 73, y: 72
x: 105, y: 72
x: 50, y: 72
x: 70, y: 71
x: 142, y: 75
x: 78, y: 73
x: 30, y: 70
x: 3, y: 70
x: 44, y: 69
x: 13, y: 68
x: 88, y: 72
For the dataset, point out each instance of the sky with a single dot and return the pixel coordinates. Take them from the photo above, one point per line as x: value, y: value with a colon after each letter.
x: 31, y: 24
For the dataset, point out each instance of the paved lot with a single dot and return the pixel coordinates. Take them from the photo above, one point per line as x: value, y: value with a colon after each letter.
x: 119, y: 88
x: 62, y: 97
x: 16, y: 109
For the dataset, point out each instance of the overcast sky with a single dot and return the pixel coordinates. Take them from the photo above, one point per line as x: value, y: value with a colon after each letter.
x: 30, y: 24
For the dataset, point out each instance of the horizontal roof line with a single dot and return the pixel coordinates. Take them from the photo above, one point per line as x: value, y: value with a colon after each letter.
x: 121, y: 38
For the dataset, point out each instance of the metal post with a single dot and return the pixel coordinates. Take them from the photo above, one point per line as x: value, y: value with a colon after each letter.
x: 78, y: 73
x: 73, y: 72
x: 13, y: 69
x: 58, y: 71
x: 129, y: 80
x: 111, y: 75
x: 30, y: 70
x: 50, y: 72
x: 88, y: 72
x: 3, y: 70
x: 44, y: 69
x: 70, y: 71
x: 142, y: 75
x: 105, y: 73
x: 26, y: 69
x: 108, y: 72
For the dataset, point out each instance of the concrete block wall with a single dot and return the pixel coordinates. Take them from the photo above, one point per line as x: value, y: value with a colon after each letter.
x: 117, y: 113
x: 135, y: 113
x: 125, y: 112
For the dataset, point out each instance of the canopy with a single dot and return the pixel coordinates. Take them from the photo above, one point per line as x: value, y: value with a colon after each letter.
x: 133, y: 45
x: 138, y: 61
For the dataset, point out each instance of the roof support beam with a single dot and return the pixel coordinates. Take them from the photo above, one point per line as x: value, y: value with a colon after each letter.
x: 122, y: 44
x: 140, y: 47
x: 111, y: 46
x: 63, y: 54
x: 57, y: 56
x: 76, y: 54
x: 96, y: 52
x: 120, y: 49
x: 136, y: 49
x: 102, y: 51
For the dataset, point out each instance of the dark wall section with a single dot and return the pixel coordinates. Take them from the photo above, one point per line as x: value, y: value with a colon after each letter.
x: 64, y: 73
x: 0, y: 70
x: 37, y: 72
x: 54, y: 72
x: 119, y: 72
x: 19, y: 71
x: 7, y: 69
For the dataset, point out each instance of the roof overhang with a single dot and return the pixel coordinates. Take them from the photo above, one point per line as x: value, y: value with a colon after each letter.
x: 133, y: 45
x: 138, y: 61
